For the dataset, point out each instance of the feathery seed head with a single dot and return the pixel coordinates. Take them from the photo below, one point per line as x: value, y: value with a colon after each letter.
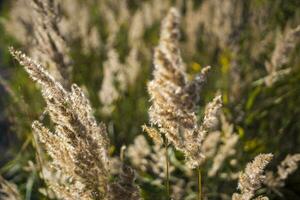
x: 174, y: 98
x: 212, y: 110
x: 281, y: 54
x: 8, y: 190
x: 79, y: 146
x: 288, y: 166
x: 153, y: 134
x: 251, y: 179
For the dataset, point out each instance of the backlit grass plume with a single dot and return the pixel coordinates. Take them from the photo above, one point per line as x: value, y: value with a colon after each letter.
x: 79, y: 144
x: 174, y: 98
x: 284, y: 47
x: 49, y: 46
x: 36, y: 24
x: 251, y: 179
x: 228, y: 139
x: 8, y: 191
x: 288, y: 166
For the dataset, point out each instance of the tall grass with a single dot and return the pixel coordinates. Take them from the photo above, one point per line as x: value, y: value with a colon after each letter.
x: 139, y: 66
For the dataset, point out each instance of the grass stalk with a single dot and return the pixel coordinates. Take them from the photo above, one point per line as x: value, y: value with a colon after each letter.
x: 40, y: 162
x: 199, y: 196
x: 167, y: 181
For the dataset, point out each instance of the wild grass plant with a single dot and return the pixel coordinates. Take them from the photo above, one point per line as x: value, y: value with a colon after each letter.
x: 158, y: 100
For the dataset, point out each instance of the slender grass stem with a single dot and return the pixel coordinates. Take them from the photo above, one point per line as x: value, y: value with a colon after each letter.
x: 199, y: 197
x: 167, y: 181
x: 40, y: 162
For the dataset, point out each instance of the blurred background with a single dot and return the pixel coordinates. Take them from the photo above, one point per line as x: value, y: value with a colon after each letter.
x: 252, y: 47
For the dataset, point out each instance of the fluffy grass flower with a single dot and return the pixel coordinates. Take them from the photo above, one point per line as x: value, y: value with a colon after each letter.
x: 174, y: 98
x: 251, y: 179
x: 79, y: 145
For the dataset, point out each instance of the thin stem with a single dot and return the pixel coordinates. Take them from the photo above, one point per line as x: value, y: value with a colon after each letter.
x: 199, y: 183
x: 167, y: 170
x: 40, y: 162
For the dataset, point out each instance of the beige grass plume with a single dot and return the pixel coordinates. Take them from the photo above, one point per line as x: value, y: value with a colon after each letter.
x: 19, y: 23
x: 79, y: 145
x: 118, y: 77
x: 222, y: 19
x: 150, y: 159
x: 174, y: 98
x: 228, y: 139
x: 138, y: 152
x: 50, y: 47
x: 113, y: 73
x: 136, y: 29
x: 281, y: 54
x: 35, y: 23
x: 123, y: 187
x: 191, y: 22
x: 79, y: 27
x: 251, y: 179
x: 284, y: 46
x: 8, y: 191
x: 288, y: 166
